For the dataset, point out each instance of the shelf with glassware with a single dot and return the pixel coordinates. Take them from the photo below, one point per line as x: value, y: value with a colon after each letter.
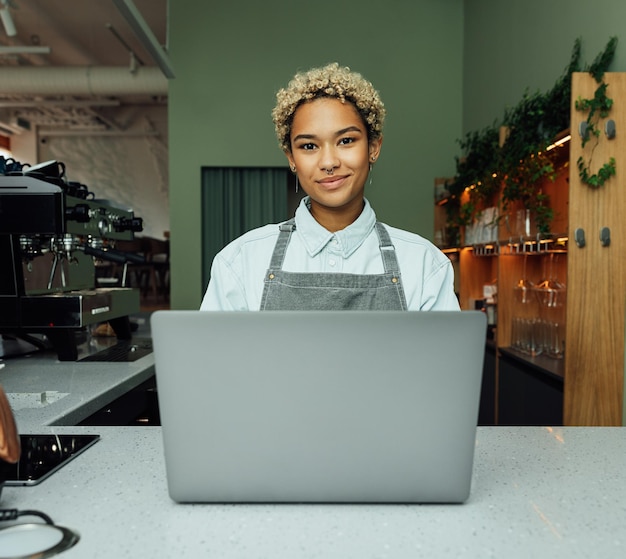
x: 517, y: 275
x: 578, y: 321
x: 503, y: 251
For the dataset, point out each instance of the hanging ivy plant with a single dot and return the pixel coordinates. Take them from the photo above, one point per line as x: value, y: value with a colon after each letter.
x: 597, y: 108
x: 522, y: 162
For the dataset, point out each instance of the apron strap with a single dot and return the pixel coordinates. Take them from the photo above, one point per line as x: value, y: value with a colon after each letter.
x: 280, y: 249
x: 387, y: 250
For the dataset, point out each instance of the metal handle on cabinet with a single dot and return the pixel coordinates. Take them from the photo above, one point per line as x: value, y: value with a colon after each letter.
x: 579, y: 237
x: 605, y: 236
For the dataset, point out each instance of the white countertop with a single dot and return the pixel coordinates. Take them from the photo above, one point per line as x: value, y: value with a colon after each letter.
x: 44, y: 391
x: 536, y: 492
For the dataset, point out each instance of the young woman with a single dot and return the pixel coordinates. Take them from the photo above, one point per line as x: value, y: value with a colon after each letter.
x: 333, y: 254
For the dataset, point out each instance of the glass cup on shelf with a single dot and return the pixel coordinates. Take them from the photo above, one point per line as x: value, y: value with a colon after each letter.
x: 527, y: 335
x: 524, y: 287
x: 554, y: 343
x: 534, y: 336
x: 551, y: 294
x: 550, y: 291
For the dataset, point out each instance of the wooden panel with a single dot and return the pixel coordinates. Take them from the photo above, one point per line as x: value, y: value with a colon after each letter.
x: 558, y: 190
x: 475, y: 272
x: 514, y: 268
x: 594, y: 359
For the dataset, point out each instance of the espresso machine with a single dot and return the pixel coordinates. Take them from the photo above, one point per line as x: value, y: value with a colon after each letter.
x: 52, y: 231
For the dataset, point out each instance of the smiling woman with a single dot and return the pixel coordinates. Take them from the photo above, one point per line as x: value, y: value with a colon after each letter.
x: 333, y: 254
x: 332, y: 156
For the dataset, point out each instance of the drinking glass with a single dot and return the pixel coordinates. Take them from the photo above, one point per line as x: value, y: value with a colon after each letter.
x: 524, y: 287
x: 550, y: 291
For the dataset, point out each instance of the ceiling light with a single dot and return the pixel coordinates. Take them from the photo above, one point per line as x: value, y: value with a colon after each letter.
x: 143, y: 32
x: 7, y: 20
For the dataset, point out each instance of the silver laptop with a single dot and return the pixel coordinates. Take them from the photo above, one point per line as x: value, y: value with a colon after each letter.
x: 335, y: 407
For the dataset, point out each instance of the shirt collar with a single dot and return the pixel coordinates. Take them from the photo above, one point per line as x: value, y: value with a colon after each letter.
x: 315, y: 237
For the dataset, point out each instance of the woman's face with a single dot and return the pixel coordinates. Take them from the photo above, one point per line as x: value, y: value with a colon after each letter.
x: 331, y: 153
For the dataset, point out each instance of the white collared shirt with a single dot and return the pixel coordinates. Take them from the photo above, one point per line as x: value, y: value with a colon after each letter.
x: 238, y: 270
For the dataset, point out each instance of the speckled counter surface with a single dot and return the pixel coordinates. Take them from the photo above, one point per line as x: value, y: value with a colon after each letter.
x: 45, y: 391
x: 536, y: 492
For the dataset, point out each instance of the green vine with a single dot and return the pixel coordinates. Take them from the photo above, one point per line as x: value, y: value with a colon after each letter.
x: 598, y: 179
x: 518, y: 167
x: 597, y: 108
x: 522, y: 161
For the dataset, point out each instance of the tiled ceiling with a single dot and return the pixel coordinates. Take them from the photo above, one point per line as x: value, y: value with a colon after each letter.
x: 88, y: 35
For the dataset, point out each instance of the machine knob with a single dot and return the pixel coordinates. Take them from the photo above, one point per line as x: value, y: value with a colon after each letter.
x: 103, y: 226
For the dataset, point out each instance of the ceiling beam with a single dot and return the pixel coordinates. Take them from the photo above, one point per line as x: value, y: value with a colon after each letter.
x: 80, y: 80
x: 18, y: 104
x: 143, y: 32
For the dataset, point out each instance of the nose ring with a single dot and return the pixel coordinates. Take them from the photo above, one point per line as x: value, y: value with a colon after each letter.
x: 330, y: 171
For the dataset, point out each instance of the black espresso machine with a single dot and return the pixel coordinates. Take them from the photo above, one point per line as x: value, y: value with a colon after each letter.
x: 52, y: 231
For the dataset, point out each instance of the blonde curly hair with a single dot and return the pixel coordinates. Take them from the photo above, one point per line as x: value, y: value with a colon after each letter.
x: 331, y: 80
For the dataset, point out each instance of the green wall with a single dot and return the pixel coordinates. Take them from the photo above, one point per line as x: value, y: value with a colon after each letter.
x: 517, y: 45
x: 443, y: 67
x: 231, y: 57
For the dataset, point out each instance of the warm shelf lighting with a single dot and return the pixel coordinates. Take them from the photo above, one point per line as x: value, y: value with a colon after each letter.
x: 559, y: 142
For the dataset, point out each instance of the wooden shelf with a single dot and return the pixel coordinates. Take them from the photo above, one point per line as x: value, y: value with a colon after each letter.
x: 592, y: 371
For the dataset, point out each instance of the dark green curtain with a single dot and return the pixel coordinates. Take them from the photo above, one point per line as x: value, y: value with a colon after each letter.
x: 235, y: 200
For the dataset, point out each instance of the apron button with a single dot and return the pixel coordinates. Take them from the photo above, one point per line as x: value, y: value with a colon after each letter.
x: 271, y: 276
x: 394, y: 280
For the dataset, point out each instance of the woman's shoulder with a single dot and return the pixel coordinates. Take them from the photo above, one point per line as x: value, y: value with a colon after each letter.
x: 259, y: 234
x: 405, y: 236
x: 253, y: 240
x: 408, y: 241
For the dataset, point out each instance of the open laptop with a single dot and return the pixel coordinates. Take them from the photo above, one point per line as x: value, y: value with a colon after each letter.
x: 335, y: 407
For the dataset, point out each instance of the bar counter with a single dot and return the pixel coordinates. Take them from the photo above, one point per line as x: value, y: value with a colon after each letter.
x: 536, y: 491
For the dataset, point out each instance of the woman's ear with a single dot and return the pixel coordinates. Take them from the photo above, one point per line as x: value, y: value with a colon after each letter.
x: 292, y: 163
x: 374, y: 148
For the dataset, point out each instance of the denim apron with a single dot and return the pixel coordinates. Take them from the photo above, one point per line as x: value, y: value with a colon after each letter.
x: 332, y: 291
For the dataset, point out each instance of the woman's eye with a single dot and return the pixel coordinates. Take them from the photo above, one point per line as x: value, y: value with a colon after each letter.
x: 308, y: 146
x: 346, y: 141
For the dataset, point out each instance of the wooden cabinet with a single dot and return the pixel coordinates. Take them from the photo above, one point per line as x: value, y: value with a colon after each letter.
x: 575, y: 372
x: 594, y: 364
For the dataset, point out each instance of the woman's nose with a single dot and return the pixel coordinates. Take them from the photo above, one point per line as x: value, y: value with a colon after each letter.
x: 329, y: 159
